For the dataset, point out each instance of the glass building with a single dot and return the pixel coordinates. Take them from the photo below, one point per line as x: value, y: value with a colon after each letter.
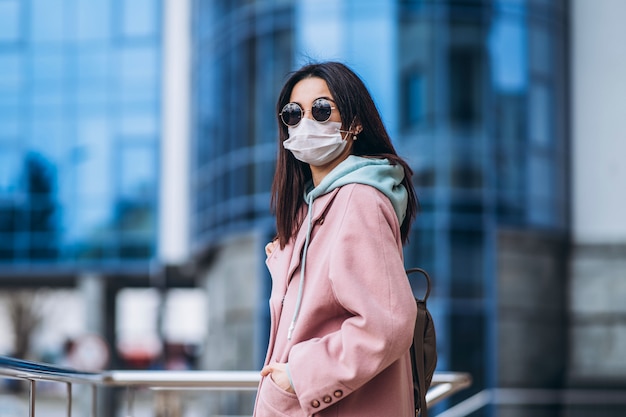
x: 79, y: 132
x: 473, y: 94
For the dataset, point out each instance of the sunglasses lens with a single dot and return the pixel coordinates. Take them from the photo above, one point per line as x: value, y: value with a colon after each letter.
x: 321, y: 110
x: 291, y: 114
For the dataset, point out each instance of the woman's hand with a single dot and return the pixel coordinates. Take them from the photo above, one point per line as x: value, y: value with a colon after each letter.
x: 278, y: 373
x: 269, y: 248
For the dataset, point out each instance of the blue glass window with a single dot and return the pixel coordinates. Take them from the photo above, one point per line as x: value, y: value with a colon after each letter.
x: 93, y: 19
x: 541, y: 205
x: 11, y: 73
x: 10, y: 162
x: 138, y: 68
x: 49, y: 66
x: 508, y: 49
x: 139, y: 18
x: 415, y: 104
x: 93, y: 168
x: 48, y: 21
x: 10, y: 122
x: 10, y: 21
x: 540, y: 106
x: 137, y: 171
x: 139, y: 122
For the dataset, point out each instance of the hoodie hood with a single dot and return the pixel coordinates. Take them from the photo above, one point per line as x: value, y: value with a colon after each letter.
x: 378, y: 173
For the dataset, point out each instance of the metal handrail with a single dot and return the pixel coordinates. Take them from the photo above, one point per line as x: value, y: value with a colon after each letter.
x: 443, y: 385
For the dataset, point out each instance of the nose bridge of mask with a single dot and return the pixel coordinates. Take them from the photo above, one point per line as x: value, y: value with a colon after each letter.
x: 310, y: 126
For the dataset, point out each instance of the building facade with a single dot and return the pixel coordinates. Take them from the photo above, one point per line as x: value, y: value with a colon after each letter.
x: 474, y: 94
x: 80, y: 114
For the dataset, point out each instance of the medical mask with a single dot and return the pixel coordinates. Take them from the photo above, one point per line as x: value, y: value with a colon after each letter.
x: 315, y: 143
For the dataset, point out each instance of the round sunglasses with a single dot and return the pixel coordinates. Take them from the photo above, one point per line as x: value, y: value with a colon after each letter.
x: 292, y: 113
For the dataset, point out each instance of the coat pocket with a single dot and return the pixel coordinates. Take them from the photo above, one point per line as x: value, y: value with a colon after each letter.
x: 274, y: 401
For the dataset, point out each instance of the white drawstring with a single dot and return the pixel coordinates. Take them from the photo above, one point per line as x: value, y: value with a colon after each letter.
x: 292, y: 326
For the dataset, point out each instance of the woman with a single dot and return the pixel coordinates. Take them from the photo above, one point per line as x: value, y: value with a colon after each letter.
x: 342, y: 310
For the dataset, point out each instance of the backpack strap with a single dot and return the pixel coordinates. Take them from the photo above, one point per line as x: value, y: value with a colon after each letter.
x: 418, y: 343
x: 417, y: 350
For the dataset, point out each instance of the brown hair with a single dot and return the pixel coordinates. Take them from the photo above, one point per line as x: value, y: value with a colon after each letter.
x: 354, y: 103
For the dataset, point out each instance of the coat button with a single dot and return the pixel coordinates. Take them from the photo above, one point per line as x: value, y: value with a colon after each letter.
x: 321, y: 221
x: 338, y: 393
x: 315, y: 403
x: 327, y: 399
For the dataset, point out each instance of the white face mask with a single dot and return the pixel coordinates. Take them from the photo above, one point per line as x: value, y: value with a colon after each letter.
x: 315, y: 143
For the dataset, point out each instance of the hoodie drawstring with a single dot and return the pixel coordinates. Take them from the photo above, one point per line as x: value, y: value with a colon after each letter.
x: 292, y: 326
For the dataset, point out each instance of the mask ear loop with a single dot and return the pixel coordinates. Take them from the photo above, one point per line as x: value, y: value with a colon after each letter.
x: 353, y: 132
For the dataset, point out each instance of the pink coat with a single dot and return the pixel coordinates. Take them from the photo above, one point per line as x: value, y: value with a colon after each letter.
x: 349, y: 354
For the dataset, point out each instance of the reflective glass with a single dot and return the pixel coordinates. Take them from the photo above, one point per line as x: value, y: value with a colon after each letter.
x: 541, y: 201
x: 141, y: 122
x: 11, y: 126
x: 508, y: 52
x: 93, y: 171
x: 49, y: 21
x: 93, y: 63
x: 49, y: 66
x: 137, y: 171
x: 541, y: 51
x: 137, y: 74
x: 10, y: 19
x: 10, y: 163
x: 93, y: 19
x: 12, y: 72
x: 139, y: 18
x: 540, y: 109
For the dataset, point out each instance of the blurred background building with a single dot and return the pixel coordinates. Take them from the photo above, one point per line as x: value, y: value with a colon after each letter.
x: 137, y: 148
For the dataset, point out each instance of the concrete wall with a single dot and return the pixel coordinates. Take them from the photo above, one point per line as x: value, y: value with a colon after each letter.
x: 597, y: 290
x: 531, y: 328
x: 598, y: 315
x: 233, y: 285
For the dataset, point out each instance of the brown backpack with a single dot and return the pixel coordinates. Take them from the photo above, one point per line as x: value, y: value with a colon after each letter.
x: 423, y: 349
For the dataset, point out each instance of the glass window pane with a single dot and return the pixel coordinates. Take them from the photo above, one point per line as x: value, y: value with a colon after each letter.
x: 92, y: 157
x: 10, y: 19
x: 48, y: 20
x: 508, y: 52
x: 11, y: 72
x: 137, y: 171
x: 49, y: 66
x: 541, y: 198
x: 10, y: 122
x: 541, y: 54
x: 138, y: 69
x: 50, y: 137
x: 466, y: 265
x: 10, y: 167
x: 141, y: 123
x: 139, y: 18
x: 93, y: 19
x: 93, y: 64
x: 465, y: 77
x: 541, y: 114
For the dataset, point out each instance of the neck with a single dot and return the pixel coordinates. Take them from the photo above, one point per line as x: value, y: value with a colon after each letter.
x: 319, y: 172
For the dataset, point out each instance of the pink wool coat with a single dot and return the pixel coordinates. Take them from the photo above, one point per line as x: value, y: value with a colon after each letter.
x: 349, y: 354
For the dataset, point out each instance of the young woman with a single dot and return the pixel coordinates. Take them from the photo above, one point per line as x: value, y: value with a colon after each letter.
x: 342, y: 310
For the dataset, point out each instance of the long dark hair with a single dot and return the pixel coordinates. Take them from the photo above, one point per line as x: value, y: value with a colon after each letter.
x: 356, y: 107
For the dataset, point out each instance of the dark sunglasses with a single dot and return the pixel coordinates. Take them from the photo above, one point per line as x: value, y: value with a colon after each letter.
x: 292, y: 113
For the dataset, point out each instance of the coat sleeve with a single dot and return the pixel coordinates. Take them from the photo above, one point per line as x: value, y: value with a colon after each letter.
x: 368, y: 278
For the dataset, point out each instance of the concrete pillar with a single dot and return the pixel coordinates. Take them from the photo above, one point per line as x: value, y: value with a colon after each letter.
x: 598, y: 263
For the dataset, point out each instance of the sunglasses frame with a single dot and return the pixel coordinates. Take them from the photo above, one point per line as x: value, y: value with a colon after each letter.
x: 303, y: 112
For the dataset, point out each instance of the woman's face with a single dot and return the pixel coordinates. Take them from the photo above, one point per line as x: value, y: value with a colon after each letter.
x: 308, y: 90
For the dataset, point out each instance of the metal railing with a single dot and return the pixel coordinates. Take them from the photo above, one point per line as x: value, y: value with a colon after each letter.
x: 443, y: 384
